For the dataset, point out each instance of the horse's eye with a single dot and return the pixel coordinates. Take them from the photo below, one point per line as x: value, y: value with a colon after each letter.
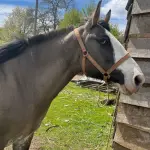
x: 104, y: 41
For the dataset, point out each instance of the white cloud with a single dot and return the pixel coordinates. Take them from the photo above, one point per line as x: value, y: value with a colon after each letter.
x: 118, y: 11
x: 117, y: 7
x: 5, y: 10
x: 122, y: 26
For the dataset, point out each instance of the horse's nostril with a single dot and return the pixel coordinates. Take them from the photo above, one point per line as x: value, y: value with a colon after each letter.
x: 138, y: 80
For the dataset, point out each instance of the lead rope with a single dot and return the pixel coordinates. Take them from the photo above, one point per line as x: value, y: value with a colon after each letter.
x: 110, y: 129
x: 107, y: 92
x: 113, y: 120
x: 114, y: 112
x: 111, y: 123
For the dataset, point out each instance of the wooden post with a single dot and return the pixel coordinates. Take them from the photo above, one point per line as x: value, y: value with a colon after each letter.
x: 35, y: 19
x: 133, y: 113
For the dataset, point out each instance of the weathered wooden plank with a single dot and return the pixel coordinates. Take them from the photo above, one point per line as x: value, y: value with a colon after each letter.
x: 132, y: 138
x: 139, y: 47
x: 142, y: 98
x: 116, y: 146
x: 135, y: 116
x: 145, y: 35
x: 140, y: 6
x: 145, y: 67
x: 140, y: 24
x: 141, y: 53
x: 139, y: 43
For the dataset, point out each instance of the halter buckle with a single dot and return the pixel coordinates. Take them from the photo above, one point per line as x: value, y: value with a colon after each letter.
x: 85, y: 53
x: 106, y: 76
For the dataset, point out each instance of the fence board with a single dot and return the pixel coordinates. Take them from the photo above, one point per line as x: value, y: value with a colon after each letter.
x: 132, y: 126
x: 140, y: 24
x: 131, y: 138
x: 140, y: 7
x: 139, y: 43
x: 116, y: 146
x: 142, y: 53
x: 142, y: 98
x: 145, y: 67
x: 135, y: 116
x: 139, y: 47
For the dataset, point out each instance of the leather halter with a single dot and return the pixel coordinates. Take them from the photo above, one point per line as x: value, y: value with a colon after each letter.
x: 86, y: 55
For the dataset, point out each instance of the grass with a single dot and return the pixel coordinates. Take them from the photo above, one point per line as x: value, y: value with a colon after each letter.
x: 2, y: 42
x: 76, y: 122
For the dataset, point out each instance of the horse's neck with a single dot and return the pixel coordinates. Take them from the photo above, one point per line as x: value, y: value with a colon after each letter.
x: 43, y: 70
x: 63, y: 62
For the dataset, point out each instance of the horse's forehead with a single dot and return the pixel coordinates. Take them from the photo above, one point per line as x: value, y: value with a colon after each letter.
x: 104, y: 25
x: 119, y: 50
x: 100, y: 31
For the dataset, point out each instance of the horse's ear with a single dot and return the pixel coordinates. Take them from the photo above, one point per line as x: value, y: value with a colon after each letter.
x: 96, y: 14
x: 108, y: 15
x: 95, y: 17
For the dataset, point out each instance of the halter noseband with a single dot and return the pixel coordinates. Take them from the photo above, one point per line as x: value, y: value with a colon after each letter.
x: 86, y: 55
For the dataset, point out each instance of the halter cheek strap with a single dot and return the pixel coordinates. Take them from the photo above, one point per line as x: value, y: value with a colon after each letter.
x: 86, y: 55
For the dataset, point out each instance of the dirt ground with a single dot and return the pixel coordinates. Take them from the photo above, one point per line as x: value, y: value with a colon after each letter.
x: 36, y: 144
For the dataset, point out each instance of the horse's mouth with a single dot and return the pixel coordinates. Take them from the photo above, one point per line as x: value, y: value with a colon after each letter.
x: 123, y: 89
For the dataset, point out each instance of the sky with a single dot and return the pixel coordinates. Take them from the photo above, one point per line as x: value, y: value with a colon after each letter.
x: 117, y: 6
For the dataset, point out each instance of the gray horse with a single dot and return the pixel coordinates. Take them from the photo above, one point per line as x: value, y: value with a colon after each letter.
x: 34, y: 71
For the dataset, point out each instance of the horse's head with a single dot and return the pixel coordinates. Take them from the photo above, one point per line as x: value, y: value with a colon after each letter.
x: 106, y: 51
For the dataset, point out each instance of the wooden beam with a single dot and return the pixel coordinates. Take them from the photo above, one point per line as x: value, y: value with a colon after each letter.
x: 140, y: 99
x: 141, y: 7
x: 132, y: 138
x: 35, y: 19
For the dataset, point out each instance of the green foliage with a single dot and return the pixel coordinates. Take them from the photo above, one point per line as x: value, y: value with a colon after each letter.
x: 73, y: 17
x: 1, y: 29
x: 74, y: 121
x: 89, y: 9
x: 18, y: 24
x: 52, y: 9
x: 115, y: 30
x: 2, y: 41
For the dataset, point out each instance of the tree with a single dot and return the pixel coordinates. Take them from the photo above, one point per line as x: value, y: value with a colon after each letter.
x: 1, y: 38
x: 18, y: 24
x: 89, y: 9
x: 52, y: 11
x: 116, y: 32
x: 73, y: 17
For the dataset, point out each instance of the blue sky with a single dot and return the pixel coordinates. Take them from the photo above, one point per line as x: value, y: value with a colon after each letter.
x: 117, y: 7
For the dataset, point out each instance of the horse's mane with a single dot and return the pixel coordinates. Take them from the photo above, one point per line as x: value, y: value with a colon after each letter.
x: 14, y: 48
x: 48, y: 36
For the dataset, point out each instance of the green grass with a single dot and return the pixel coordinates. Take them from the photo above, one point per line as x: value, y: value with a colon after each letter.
x: 1, y: 42
x: 75, y: 121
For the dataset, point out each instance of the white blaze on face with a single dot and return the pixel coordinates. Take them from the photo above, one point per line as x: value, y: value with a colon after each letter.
x: 129, y: 67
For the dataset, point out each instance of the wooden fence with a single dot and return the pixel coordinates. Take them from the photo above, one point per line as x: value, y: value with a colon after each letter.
x: 132, y: 124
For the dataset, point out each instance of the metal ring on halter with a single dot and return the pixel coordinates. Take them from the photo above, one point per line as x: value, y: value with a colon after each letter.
x: 85, y: 53
x: 106, y: 76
